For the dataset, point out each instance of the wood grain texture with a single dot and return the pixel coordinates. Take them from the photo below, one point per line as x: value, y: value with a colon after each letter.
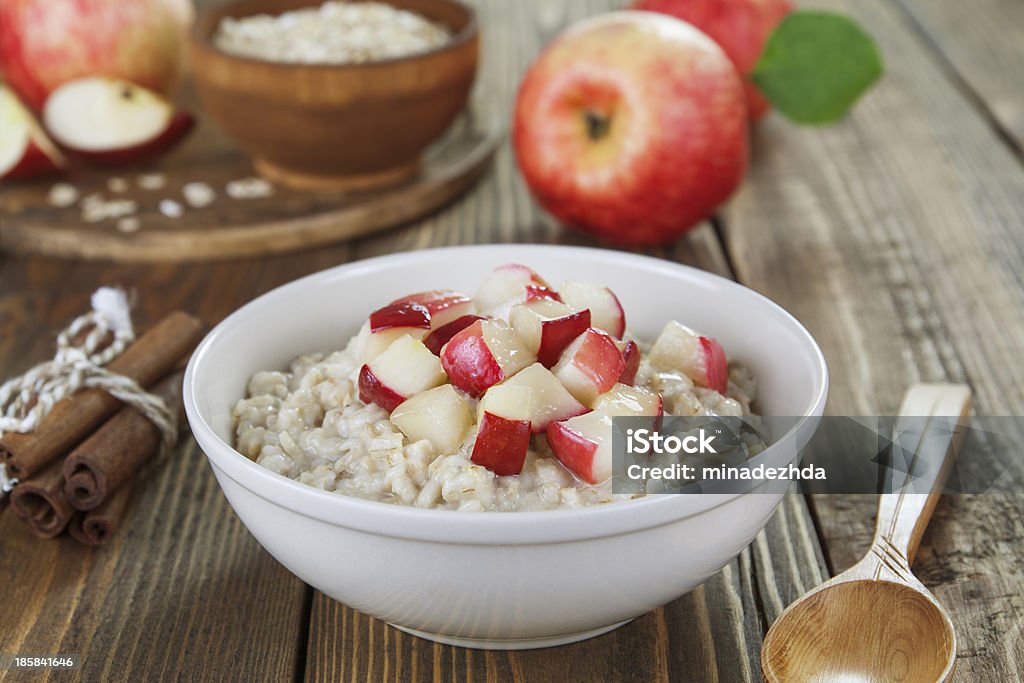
x: 982, y: 42
x: 895, y: 236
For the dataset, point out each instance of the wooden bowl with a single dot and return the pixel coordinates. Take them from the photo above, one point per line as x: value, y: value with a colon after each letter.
x: 337, y: 126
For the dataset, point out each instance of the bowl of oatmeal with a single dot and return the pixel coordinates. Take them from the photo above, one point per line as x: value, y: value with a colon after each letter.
x: 435, y: 459
x: 335, y: 94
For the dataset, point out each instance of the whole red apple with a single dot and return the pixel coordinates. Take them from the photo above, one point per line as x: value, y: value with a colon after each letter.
x: 632, y: 126
x: 741, y: 27
x: 44, y: 43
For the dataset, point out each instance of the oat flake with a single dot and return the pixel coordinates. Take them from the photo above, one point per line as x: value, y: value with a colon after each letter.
x: 62, y: 195
x: 171, y: 208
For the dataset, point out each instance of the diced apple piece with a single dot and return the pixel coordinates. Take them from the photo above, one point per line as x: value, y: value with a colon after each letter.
x: 443, y: 305
x: 543, y: 401
x: 388, y: 324
x: 590, y: 366
x: 440, y: 415
x: 405, y: 369
x: 547, y: 327
x: 436, y: 340
x: 606, y: 312
x: 631, y: 357
x: 700, y: 358
x: 484, y: 354
x: 626, y: 401
x: 583, y: 445
x: 503, y: 437
x: 510, y: 284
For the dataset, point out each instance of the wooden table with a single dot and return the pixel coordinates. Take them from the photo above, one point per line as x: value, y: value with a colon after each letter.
x: 897, y: 237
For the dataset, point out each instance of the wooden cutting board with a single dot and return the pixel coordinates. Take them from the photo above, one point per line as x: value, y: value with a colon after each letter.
x: 228, y: 227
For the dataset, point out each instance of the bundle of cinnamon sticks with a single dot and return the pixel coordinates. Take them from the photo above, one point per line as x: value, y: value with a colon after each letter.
x: 76, y: 468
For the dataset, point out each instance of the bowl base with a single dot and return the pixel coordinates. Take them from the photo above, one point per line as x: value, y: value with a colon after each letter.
x: 310, y: 181
x: 512, y: 643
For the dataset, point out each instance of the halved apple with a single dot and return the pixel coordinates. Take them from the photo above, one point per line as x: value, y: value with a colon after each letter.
x: 436, y: 340
x: 590, y: 365
x: 508, y: 285
x: 547, y: 326
x: 387, y: 324
x: 700, y: 358
x: 405, y: 369
x: 113, y: 122
x: 503, y: 436
x: 631, y: 357
x: 444, y: 305
x: 606, y: 313
x: 440, y: 415
x: 25, y: 151
x: 544, y: 399
x: 484, y: 354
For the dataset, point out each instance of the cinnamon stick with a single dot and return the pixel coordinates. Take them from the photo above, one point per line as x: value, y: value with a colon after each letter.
x: 41, y: 503
x: 97, y: 526
x: 116, y: 451
x: 149, y: 358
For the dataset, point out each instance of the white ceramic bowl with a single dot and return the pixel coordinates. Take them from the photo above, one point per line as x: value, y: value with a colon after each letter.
x: 499, y: 580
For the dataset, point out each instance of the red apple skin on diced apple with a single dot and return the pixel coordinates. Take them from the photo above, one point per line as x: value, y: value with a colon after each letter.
x: 590, y: 366
x: 631, y: 360
x: 716, y: 366
x: 575, y: 451
x: 535, y: 292
x: 558, y: 334
x: 469, y: 363
x: 510, y: 284
x: 405, y: 314
x: 372, y: 390
x: 501, y: 444
x: 444, y: 305
x: 436, y: 340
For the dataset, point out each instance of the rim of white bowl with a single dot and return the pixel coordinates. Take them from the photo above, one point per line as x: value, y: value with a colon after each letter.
x: 478, y: 528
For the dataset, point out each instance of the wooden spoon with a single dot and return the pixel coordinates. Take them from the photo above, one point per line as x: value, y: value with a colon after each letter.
x: 876, y: 621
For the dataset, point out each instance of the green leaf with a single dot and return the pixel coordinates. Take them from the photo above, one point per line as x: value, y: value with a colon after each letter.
x: 815, y: 65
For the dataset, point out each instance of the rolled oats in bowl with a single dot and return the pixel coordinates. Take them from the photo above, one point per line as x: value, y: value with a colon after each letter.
x: 499, y: 402
x: 334, y: 33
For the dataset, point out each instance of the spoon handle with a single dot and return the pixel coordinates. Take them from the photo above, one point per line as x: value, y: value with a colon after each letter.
x: 930, y: 441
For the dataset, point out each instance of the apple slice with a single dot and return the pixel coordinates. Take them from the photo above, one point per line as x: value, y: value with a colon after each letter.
x: 508, y: 285
x: 387, y: 324
x: 700, y: 358
x: 440, y: 415
x: 545, y: 400
x: 444, y: 305
x: 25, y: 151
x: 623, y: 400
x: 583, y: 445
x: 631, y: 357
x: 484, y: 354
x: 113, y: 122
x: 547, y: 326
x: 405, y: 369
x: 606, y: 312
x: 436, y: 340
x: 590, y: 366
x: 503, y: 437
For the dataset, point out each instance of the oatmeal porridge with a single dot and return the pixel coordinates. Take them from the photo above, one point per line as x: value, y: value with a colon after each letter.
x: 501, y: 401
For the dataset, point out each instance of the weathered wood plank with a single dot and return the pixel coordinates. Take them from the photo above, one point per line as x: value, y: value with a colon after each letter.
x: 983, y: 43
x: 896, y: 238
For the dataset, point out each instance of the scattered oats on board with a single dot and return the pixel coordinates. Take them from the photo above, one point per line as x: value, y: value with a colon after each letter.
x: 334, y: 33
x: 152, y: 181
x: 116, y: 184
x: 171, y: 208
x: 129, y: 224
x: 249, y: 188
x: 198, y: 194
x: 62, y: 195
x: 96, y: 208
